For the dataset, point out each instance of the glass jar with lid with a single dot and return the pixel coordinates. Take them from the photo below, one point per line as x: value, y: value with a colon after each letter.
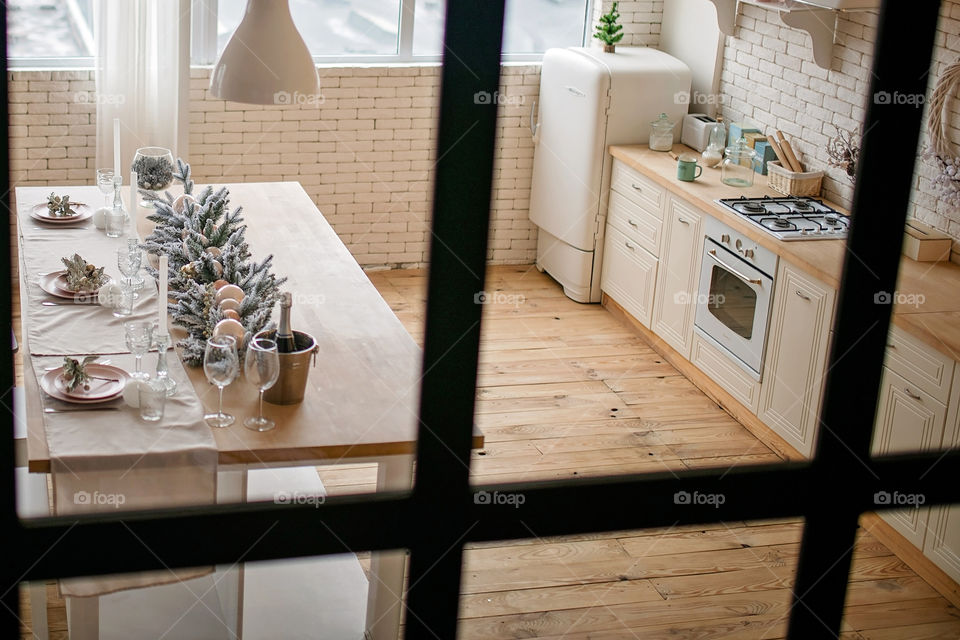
x: 737, y: 169
x: 661, y: 134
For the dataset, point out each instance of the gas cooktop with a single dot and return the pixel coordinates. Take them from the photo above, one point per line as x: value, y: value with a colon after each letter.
x: 791, y: 218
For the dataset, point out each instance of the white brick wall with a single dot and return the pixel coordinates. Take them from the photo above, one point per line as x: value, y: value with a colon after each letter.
x: 769, y: 77
x: 365, y: 155
x: 640, y: 19
x: 52, y: 127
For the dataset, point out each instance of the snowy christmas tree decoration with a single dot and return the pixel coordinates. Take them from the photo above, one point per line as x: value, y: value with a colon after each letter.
x: 208, y: 253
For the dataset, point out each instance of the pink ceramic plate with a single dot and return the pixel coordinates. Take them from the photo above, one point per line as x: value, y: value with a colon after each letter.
x: 55, y: 284
x: 101, y: 390
x: 41, y: 213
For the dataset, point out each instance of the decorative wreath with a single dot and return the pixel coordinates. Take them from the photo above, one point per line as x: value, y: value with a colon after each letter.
x: 939, y: 152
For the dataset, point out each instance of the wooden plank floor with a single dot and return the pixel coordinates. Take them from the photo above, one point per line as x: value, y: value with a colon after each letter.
x: 566, y: 391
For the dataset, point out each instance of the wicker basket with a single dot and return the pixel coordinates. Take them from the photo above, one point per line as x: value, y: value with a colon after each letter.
x: 792, y: 183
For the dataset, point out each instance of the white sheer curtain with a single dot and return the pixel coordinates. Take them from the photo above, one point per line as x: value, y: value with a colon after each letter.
x: 142, y: 76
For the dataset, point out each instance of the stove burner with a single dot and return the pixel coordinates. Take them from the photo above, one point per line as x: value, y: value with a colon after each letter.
x: 802, y: 205
x: 831, y: 219
x: 753, y: 207
x: 778, y: 224
x: 781, y: 222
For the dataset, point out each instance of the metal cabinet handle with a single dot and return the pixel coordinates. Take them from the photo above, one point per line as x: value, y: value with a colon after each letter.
x: 637, y: 186
x: 629, y: 246
x: 632, y: 223
x: 713, y: 252
x: 681, y: 220
x: 803, y: 295
x: 913, y: 395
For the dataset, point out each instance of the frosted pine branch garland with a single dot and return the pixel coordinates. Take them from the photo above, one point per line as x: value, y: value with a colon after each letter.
x: 204, y: 242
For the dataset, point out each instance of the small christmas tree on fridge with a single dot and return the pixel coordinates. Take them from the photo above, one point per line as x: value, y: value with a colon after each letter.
x: 209, y: 262
x: 608, y: 31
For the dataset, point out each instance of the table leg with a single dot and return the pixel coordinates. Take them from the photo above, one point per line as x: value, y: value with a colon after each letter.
x: 83, y: 616
x: 231, y: 488
x: 384, y: 600
x: 38, y: 609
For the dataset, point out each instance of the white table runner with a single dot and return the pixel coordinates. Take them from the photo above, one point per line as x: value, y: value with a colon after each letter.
x: 105, y: 460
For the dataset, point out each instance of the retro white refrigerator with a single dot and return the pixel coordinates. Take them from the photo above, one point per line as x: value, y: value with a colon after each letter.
x: 588, y: 101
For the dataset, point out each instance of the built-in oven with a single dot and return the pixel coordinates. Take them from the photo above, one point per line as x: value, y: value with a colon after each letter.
x: 736, y: 289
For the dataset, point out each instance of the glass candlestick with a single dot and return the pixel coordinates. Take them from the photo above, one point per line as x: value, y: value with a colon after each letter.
x: 163, y: 343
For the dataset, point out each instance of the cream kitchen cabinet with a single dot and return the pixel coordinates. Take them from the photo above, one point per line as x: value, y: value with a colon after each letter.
x: 908, y: 420
x: 675, y: 297
x: 942, y: 543
x: 629, y: 274
x: 632, y: 241
x: 796, y: 356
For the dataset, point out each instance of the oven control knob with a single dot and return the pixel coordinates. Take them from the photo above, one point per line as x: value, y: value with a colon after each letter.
x: 738, y: 244
x: 748, y: 253
x: 725, y: 238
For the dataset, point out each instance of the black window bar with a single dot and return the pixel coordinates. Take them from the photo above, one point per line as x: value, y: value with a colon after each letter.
x: 440, y: 515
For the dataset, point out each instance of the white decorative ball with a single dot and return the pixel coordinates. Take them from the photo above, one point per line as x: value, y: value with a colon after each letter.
x: 229, y: 304
x: 109, y: 295
x: 131, y: 393
x: 230, y: 327
x: 214, y: 251
x: 180, y: 204
x: 100, y: 218
x: 229, y: 291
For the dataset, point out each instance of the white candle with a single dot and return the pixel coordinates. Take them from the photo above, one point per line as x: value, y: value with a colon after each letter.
x: 162, y: 327
x: 116, y: 148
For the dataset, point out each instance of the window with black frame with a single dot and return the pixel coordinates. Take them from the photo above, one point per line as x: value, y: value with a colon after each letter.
x: 443, y: 511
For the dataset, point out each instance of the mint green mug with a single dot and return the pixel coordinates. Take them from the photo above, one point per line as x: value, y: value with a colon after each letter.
x: 687, y: 169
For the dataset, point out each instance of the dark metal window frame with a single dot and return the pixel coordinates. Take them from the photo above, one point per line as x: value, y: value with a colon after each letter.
x: 440, y: 514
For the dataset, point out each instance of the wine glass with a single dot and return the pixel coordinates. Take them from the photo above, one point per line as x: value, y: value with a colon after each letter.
x: 222, y: 366
x: 105, y: 184
x: 136, y: 280
x: 139, y: 337
x: 154, y: 167
x: 262, y: 368
x: 128, y: 261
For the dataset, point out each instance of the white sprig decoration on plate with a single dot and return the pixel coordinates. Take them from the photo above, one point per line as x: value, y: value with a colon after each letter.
x: 75, y: 372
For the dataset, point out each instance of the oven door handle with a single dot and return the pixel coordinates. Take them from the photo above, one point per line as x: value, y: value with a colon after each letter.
x: 713, y: 252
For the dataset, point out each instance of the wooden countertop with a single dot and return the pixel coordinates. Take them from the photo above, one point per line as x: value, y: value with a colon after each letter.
x: 928, y: 305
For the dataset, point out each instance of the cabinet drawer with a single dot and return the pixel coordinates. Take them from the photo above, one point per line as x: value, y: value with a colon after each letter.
x: 926, y: 368
x: 638, y: 188
x: 908, y: 420
x: 635, y: 222
x: 628, y: 275
x: 722, y: 370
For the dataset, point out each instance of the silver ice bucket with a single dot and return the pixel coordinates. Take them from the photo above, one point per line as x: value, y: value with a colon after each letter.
x: 294, y: 369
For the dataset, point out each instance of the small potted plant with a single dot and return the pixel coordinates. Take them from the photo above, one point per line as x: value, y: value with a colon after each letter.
x: 608, y: 31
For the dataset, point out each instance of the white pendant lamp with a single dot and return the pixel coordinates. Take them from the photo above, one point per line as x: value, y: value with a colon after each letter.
x: 266, y: 60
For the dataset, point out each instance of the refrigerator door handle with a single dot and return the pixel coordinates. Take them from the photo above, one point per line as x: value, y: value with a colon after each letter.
x: 534, y: 125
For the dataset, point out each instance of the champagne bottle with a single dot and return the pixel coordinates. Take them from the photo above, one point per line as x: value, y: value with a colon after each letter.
x: 285, y: 340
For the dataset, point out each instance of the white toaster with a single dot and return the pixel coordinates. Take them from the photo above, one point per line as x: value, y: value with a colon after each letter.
x: 696, y: 130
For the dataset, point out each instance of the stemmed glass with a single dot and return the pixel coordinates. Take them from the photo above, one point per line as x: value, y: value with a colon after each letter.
x: 221, y: 366
x: 128, y: 261
x: 139, y: 336
x: 105, y: 184
x: 262, y: 368
x: 136, y: 256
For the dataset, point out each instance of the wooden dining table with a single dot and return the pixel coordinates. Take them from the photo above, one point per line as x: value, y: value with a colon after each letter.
x: 361, y: 401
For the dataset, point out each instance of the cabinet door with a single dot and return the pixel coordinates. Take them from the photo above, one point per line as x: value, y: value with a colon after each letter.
x: 908, y: 420
x: 628, y: 275
x: 673, y: 304
x: 792, y: 382
x: 942, y: 544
